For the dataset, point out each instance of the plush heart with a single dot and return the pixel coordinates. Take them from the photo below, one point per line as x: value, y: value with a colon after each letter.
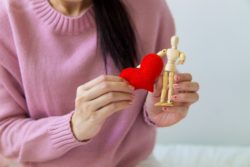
x: 145, y: 76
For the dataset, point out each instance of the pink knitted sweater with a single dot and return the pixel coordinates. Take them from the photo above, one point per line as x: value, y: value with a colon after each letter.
x: 44, y: 57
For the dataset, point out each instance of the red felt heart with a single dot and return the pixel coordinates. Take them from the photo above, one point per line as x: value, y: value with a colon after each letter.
x: 145, y: 76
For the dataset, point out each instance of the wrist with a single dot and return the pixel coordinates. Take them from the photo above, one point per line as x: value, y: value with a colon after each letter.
x: 74, y: 122
x: 73, y: 126
x: 84, y: 129
x: 150, y: 104
x: 151, y: 99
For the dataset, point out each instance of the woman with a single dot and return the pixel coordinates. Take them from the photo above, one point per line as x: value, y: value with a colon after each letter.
x: 62, y: 102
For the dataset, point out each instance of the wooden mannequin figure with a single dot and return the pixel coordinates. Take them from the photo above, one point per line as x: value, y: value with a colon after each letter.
x: 169, y: 71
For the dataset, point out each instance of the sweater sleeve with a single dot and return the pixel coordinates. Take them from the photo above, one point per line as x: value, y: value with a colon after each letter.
x: 24, y: 138
x: 21, y: 137
x: 166, y: 29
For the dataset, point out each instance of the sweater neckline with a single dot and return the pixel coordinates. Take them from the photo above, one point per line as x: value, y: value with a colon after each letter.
x: 61, y: 23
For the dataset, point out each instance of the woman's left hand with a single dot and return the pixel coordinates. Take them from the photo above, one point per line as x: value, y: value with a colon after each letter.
x: 185, y: 94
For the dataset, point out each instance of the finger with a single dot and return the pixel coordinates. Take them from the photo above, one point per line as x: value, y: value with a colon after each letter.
x: 170, y: 116
x: 100, y: 79
x: 182, y: 110
x: 187, y: 86
x: 181, y: 104
x: 186, y: 97
x: 109, y: 97
x: 111, y: 108
x: 105, y: 87
x: 181, y: 77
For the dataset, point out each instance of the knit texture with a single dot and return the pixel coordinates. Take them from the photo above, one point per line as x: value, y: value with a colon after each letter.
x: 44, y: 57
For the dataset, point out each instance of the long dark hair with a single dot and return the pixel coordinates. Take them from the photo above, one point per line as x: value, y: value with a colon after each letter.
x: 115, y: 33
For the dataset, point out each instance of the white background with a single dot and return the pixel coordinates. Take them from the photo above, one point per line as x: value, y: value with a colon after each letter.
x: 215, y: 35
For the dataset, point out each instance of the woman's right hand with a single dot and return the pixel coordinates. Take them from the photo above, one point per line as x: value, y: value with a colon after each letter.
x: 95, y: 101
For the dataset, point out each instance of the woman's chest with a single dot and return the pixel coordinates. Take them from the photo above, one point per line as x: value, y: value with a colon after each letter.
x: 51, y: 71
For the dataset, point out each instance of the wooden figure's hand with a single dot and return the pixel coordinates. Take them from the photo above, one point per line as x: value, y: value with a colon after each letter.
x: 185, y: 95
x: 182, y: 58
x: 180, y: 62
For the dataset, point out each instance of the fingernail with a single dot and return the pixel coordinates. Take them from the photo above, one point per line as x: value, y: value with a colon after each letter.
x: 177, y: 78
x: 165, y: 108
x: 175, y: 97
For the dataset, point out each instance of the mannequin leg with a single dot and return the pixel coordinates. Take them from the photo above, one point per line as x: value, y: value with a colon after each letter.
x: 164, y: 87
x: 170, y: 89
x: 164, y: 91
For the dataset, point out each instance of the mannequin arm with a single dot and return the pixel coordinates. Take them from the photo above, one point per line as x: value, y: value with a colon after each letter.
x: 182, y: 58
x: 162, y: 53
